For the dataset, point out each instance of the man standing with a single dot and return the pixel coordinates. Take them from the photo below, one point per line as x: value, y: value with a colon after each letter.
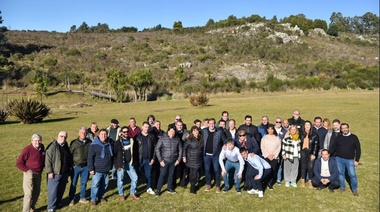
x: 93, y: 131
x: 251, y: 129
x: 347, y: 150
x: 169, y: 152
x: 144, y: 151
x: 332, y: 135
x: 213, y: 140
x: 133, y: 128
x: 319, y: 130
x: 325, y: 172
x: 233, y: 161
x: 225, y: 118
x: 262, y: 128
x: 31, y: 162
x: 281, y: 131
x: 177, y: 118
x: 100, y: 161
x: 58, y: 163
x: 114, y: 130
x: 297, y: 120
x: 79, y: 150
x: 123, y: 157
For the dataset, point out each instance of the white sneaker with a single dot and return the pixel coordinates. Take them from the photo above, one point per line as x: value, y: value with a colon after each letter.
x: 261, y: 194
x: 150, y: 191
x: 252, y: 191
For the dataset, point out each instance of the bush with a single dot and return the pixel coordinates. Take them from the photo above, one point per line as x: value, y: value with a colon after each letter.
x: 3, y: 115
x: 200, y: 99
x: 28, y: 111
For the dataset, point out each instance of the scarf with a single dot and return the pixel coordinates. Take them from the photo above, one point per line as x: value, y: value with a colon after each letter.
x: 103, y: 145
x: 295, y: 137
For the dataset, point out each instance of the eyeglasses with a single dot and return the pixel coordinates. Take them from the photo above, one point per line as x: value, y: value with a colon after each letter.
x: 62, y: 136
x: 278, y: 122
x: 241, y: 135
x: 124, y: 131
x: 178, y: 119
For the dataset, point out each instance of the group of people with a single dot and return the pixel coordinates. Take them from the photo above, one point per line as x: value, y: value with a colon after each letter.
x: 260, y: 156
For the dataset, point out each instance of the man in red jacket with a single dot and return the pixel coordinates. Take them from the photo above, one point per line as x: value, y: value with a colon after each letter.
x: 31, y: 162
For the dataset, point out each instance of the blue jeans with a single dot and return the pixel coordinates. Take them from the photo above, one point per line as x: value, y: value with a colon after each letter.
x: 214, y: 160
x: 349, y: 164
x: 56, y: 188
x: 169, y: 166
x: 99, y: 185
x: 279, y: 171
x: 120, y: 179
x: 83, y: 172
x: 147, y: 171
x: 229, y: 165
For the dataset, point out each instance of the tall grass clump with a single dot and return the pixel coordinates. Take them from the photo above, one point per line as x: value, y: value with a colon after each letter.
x: 28, y: 111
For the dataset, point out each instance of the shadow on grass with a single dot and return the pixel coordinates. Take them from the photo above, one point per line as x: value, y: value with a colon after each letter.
x: 11, y: 200
x: 58, y: 119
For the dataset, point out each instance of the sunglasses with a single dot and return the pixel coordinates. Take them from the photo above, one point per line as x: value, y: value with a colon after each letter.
x: 241, y: 135
x: 278, y: 122
x: 124, y: 131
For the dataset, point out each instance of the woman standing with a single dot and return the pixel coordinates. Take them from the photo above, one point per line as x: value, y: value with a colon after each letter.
x: 291, y: 149
x: 192, y: 156
x: 270, y: 148
x: 309, y: 151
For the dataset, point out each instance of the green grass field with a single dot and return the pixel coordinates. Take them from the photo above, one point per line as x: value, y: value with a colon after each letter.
x: 359, y: 108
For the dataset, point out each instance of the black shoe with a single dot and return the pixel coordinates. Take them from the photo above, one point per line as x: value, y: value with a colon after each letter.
x: 331, y: 190
x: 157, y: 193
x: 270, y: 187
x: 171, y: 191
x: 319, y: 188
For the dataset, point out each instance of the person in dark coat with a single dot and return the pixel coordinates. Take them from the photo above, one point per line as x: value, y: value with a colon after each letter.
x: 193, y: 156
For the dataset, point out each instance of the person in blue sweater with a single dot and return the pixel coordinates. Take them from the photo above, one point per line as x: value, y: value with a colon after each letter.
x: 100, y: 162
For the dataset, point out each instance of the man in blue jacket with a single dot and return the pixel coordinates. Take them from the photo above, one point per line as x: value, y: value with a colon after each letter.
x: 100, y: 162
x: 325, y: 172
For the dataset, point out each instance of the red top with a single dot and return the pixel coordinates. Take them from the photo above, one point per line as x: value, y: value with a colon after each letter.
x: 133, y: 133
x: 31, y: 159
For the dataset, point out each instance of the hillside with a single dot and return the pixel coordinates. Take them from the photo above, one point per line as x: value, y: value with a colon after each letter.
x: 246, y: 57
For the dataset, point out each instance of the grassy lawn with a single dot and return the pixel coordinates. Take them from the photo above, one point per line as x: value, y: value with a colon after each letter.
x: 359, y: 108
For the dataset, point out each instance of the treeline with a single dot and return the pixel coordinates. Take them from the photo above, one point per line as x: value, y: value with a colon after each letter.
x: 368, y: 23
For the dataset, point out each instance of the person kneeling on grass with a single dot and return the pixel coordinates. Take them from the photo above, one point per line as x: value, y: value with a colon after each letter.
x: 325, y: 172
x: 261, y: 170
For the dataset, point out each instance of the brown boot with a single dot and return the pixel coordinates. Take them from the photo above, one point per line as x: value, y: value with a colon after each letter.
x: 302, y: 183
x: 310, y: 184
x: 217, y: 190
x: 134, y: 197
x: 208, y: 187
x: 122, y: 198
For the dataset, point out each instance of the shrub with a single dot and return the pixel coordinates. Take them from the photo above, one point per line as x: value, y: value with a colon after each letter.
x: 199, y: 99
x: 28, y: 111
x: 3, y: 115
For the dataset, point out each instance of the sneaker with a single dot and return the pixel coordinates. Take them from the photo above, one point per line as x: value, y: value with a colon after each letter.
x: 287, y: 184
x: 208, y: 187
x: 278, y: 183
x: 261, y: 194
x: 294, y: 185
x: 134, y: 197
x: 103, y: 200
x: 93, y: 203
x: 217, y: 190
x: 331, y: 190
x: 341, y: 190
x: 225, y: 190
x: 122, y: 198
x: 84, y: 201
x: 171, y: 191
x: 270, y: 187
x: 355, y: 193
x: 253, y: 191
x: 157, y: 193
x: 150, y: 191
x: 238, y: 192
x: 71, y: 203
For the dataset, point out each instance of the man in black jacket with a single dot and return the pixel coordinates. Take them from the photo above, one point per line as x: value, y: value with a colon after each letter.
x: 297, y: 120
x: 250, y: 129
x: 169, y: 152
x: 79, y: 150
x: 144, y: 151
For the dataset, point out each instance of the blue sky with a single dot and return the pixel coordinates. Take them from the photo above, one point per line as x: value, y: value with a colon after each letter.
x: 58, y: 15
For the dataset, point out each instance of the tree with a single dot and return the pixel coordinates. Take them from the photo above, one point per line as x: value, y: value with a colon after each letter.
x: 3, y: 39
x: 210, y: 23
x: 177, y: 26
x: 140, y: 81
x: 73, y: 28
x: 370, y: 23
x: 333, y: 30
x: 179, y: 75
x: 118, y: 83
x: 83, y: 28
x: 318, y: 23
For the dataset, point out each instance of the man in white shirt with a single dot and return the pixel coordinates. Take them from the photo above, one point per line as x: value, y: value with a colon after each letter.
x: 325, y: 172
x: 261, y: 170
x: 233, y: 161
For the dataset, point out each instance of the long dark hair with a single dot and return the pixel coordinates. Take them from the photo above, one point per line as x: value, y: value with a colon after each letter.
x: 191, y: 136
x: 304, y: 133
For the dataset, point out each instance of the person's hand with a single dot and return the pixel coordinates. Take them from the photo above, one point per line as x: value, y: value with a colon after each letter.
x: 151, y: 162
x: 162, y: 163
x: 256, y: 177
x: 312, y: 157
x: 51, y: 175
x: 224, y: 172
x: 356, y: 163
x: 284, y: 157
x: 92, y: 172
x: 184, y: 160
x: 239, y: 175
x: 224, y: 147
x: 176, y: 163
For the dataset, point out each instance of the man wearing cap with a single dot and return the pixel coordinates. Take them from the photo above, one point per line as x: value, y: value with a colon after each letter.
x: 114, y: 130
x: 31, y: 162
x: 173, y: 125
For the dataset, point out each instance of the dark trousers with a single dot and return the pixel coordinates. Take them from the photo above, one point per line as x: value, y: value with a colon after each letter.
x: 307, y: 164
x: 167, y: 169
x: 210, y: 160
x: 248, y: 181
x: 193, y: 175
x: 261, y: 183
x: 273, y: 175
x: 332, y: 185
x: 56, y: 188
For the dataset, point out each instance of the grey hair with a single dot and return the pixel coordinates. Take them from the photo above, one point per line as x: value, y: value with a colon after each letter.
x: 62, y: 132
x: 34, y: 136
x: 82, y: 128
